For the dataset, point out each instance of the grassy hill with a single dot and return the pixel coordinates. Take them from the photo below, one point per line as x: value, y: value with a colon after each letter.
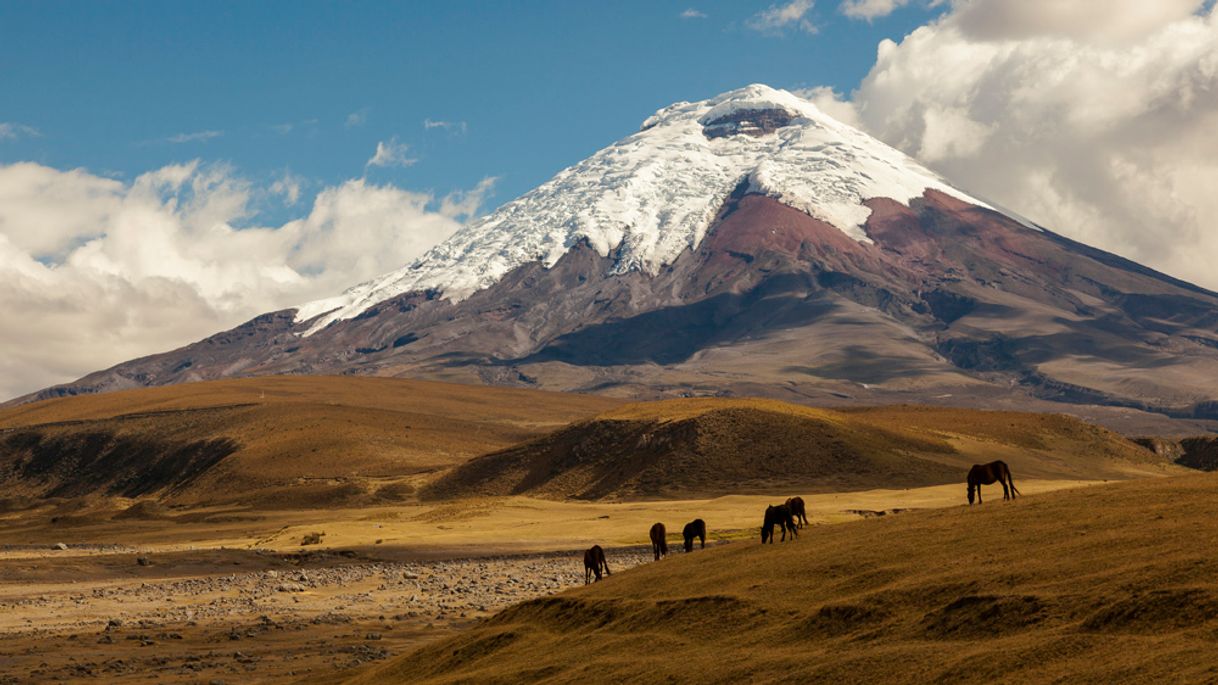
x: 301, y: 440
x: 1117, y: 583
x: 309, y: 441
x: 712, y: 446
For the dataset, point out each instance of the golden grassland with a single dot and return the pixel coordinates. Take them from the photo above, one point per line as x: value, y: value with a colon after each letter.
x: 1114, y: 583
x: 299, y: 439
x: 1109, y: 581
x: 456, y: 528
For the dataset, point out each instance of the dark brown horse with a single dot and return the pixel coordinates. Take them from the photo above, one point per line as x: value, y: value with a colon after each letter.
x: 594, y: 561
x: 778, y: 516
x: 796, y: 505
x: 988, y: 474
x: 659, y: 540
x: 694, y: 529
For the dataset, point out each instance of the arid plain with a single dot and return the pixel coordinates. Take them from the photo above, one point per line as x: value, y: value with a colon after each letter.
x: 317, y: 528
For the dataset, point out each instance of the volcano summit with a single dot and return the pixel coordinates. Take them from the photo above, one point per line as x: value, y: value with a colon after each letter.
x: 748, y: 244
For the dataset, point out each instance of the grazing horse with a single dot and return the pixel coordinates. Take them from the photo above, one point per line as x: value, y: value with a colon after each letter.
x: 781, y: 516
x: 987, y: 474
x: 796, y: 505
x: 594, y: 561
x: 659, y: 540
x: 694, y: 529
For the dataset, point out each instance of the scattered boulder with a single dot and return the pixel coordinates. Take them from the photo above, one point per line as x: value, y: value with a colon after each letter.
x: 59, y: 546
x: 312, y: 539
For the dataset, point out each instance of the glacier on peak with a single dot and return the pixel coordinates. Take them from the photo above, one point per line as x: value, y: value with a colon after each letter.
x: 652, y: 195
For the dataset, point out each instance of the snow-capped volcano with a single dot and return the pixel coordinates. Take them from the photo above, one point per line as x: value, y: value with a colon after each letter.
x: 750, y: 244
x: 649, y: 197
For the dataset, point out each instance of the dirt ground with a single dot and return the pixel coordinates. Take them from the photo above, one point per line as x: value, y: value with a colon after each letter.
x: 241, y: 616
x: 232, y: 596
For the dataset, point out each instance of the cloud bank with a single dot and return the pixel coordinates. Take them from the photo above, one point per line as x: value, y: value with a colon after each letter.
x: 94, y: 271
x: 1095, y: 118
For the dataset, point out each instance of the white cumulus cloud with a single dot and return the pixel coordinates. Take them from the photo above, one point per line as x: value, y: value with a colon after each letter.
x: 779, y: 18
x: 1123, y: 21
x: 692, y: 13
x: 288, y: 187
x: 95, y: 271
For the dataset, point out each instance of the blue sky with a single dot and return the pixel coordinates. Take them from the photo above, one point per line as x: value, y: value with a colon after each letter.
x: 311, y: 88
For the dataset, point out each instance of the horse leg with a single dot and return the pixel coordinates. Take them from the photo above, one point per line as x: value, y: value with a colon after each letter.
x: 702, y: 537
x: 587, y: 575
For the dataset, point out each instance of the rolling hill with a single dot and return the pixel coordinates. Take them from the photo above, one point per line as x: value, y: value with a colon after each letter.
x: 1099, y: 585
x: 712, y: 446
x: 307, y: 440
x: 321, y: 441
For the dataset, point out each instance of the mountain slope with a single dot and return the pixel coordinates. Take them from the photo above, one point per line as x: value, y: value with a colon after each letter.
x: 750, y: 245
x: 651, y: 196
x: 982, y: 594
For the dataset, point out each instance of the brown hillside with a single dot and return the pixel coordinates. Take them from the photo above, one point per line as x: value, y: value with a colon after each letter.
x: 707, y: 447
x: 1199, y: 452
x: 1116, y: 583
x: 290, y: 440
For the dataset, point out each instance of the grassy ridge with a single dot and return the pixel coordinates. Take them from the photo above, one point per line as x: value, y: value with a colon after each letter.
x: 319, y: 441
x: 710, y: 446
x: 1117, y: 583
x: 290, y: 440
